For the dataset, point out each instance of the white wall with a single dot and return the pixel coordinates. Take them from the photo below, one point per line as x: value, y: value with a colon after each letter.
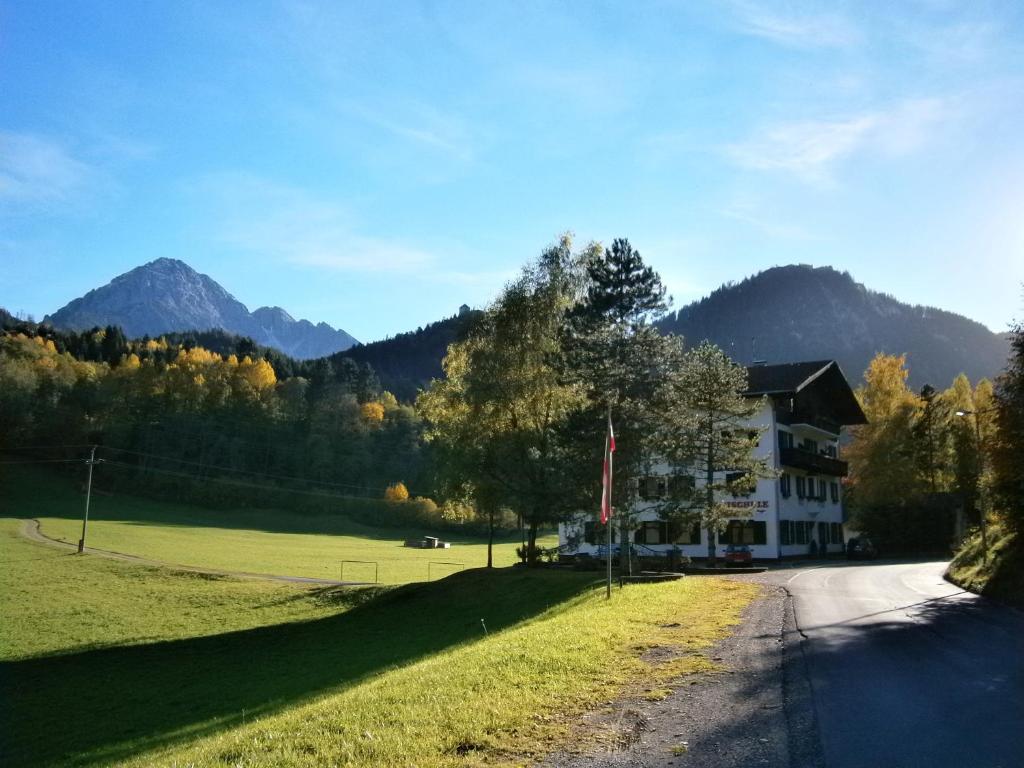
x: 766, y: 504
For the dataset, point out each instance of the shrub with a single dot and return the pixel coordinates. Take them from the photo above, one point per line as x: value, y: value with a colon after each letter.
x: 396, y: 492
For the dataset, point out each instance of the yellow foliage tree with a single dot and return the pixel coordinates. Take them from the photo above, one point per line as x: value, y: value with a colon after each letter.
x: 396, y: 492
x: 372, y: 413
x: 881, y: 455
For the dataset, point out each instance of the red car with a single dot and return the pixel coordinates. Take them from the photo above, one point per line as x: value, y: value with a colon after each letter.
x: 738, y: 554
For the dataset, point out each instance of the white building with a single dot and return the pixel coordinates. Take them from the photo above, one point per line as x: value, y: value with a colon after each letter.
x: 806, y: 407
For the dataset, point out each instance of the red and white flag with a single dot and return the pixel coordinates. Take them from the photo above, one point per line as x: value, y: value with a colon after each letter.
x: 606, y: 475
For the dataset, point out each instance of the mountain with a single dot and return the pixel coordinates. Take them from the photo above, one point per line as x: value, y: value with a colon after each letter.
x: 167, y: 295
x: 798, y: 312
x: 407, y: 362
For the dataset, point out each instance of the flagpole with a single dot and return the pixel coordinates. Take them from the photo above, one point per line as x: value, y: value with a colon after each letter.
x: 608, y: 458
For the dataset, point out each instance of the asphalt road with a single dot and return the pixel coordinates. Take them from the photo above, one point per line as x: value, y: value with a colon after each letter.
x: 906, y: 669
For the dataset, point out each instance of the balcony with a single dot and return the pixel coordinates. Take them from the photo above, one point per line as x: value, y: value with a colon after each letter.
x: 813, y: 462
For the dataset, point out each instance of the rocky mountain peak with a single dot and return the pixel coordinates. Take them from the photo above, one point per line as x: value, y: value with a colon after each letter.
x: 167, y: 295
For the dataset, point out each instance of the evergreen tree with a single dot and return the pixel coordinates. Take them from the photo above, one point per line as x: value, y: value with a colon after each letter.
x: 614, y: 352
x: 1008, y: 448
x: 930, y: 432
x: 707, y: 439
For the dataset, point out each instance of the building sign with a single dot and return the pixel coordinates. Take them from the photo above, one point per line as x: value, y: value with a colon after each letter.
x: 750, y: 505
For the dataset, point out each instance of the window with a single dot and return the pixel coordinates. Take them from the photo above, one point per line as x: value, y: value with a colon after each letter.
x: 785, y: 440
x: 741, y: 485
x: 800, y: 532
x: 809, y: 445
x: 651, y: 488
x: 785, y: 485
x: 684, y: 534
x: 785, y: 532
x: 830, y: 451
x: 810, y: 487
x: 745, y: 532
x: 590, y: 532
x: 834, y: 488
x: 654, y: 533
x: 837, y: 533
x: 680, y: 485
x: 801, y: 486
x: 823, y: 532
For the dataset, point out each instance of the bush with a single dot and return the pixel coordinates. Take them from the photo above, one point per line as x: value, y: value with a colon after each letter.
x: 396, y: 492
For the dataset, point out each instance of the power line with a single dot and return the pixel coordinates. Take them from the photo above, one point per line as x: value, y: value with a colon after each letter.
x: 42, y: 447
x: 241, y: 483
x: 45, y: 461
x: 250, y: 472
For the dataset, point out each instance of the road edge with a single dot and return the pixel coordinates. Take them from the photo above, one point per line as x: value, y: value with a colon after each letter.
x: 803, y: 736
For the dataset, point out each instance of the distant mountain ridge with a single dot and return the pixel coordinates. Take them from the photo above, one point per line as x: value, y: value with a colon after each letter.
x: 784, y: 314
x: 799, y: 312
x: 406, y: 363
x: 167, y: 295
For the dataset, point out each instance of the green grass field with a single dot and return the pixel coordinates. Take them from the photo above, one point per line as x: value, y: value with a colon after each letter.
x: 245, y: 540
x: 104, y: 662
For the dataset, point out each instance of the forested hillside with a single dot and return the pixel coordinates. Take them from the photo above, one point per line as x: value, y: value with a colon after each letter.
x: 177, y: 419
x: 793, y: 313
x: 406, y: 363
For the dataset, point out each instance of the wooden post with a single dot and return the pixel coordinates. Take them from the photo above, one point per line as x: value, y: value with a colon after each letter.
x: 88, y: 495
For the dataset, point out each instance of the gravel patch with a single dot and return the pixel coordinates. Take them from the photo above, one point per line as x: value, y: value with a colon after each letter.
x: 733, y: 717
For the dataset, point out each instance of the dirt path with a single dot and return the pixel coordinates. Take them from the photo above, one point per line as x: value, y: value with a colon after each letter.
x: 729, y: 719
x: 31, y: 530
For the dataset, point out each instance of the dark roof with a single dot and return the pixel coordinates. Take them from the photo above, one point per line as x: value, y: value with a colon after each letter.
x: 784, y: 379
x: 790, y: 379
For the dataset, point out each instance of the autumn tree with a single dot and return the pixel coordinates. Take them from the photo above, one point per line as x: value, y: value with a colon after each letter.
x: 708, y: 438
x: 396, y: 492
x: 883, y: 469
x: 502, y: 407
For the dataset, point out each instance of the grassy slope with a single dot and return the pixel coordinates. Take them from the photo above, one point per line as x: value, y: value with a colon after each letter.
x: 53, y: 602
x: 1001, y: 576
x: 257, y: 541
x: 440, y: 693
x: 106, y: 662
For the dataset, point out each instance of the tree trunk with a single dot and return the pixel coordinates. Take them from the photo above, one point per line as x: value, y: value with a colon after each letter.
x: 710, y: 497
x: 490, y: 538
x: 531, y: 544
x: 625, y: 550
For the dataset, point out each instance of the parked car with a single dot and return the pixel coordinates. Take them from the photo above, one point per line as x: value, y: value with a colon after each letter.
x: 860, y: 548
x: 738, y: 555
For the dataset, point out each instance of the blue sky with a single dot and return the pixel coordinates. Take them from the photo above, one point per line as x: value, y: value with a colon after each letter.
x: 374, y: 165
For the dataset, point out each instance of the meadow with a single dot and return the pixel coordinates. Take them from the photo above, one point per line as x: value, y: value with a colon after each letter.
x: 243, y: 540
x: 104, y: 662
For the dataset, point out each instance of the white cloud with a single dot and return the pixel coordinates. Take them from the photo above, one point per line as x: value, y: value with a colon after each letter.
x: 38, y: 171
x: 422, y: 125
x: 779, y: 229
x: 797, y: 25
x: 810, y: 149
x: 289, y: 223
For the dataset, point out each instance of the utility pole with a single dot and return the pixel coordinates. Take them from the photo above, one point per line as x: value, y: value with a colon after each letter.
x: 88, y: 493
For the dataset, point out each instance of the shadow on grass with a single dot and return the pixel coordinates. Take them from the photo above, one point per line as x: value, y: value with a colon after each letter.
x: 100, y: 706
